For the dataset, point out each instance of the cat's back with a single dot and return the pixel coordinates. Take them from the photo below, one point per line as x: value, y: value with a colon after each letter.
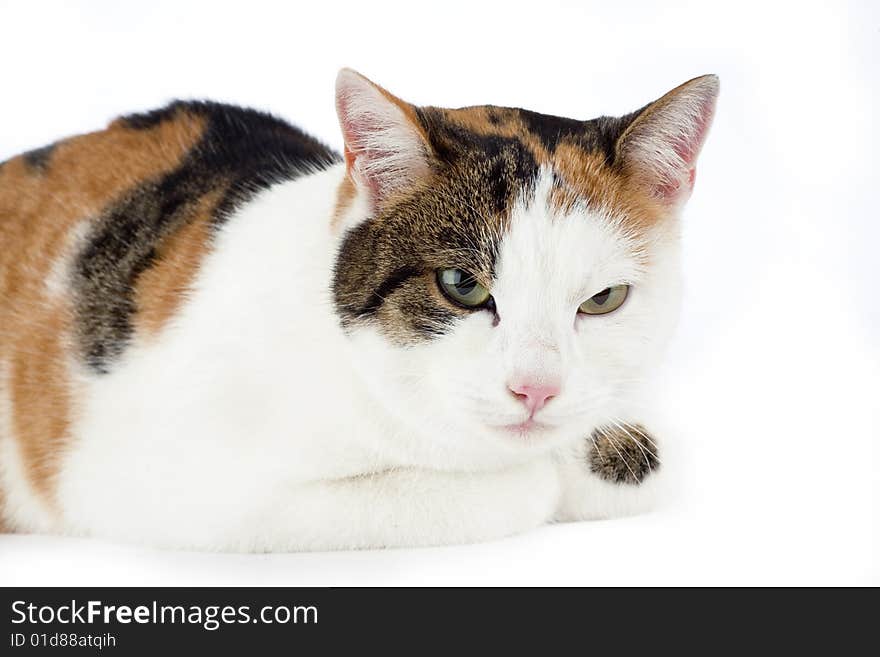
x: 100, y: 237
x: 111, y: 223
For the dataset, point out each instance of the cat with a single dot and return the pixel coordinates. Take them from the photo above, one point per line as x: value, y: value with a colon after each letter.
x: 216, y: 333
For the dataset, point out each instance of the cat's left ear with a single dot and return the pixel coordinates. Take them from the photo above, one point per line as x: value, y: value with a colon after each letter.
x: 659, y: 148
x: 386, y: 147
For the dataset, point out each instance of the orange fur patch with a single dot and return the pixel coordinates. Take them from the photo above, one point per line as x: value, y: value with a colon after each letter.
x: 345, y: 195
x: 586, y: 176
x: 41, y: 396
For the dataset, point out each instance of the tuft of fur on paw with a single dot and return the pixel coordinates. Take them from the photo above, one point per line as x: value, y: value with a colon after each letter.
x: 623, y: 453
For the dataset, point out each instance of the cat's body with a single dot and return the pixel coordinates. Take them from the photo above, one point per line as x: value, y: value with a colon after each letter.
x: 215, y: 333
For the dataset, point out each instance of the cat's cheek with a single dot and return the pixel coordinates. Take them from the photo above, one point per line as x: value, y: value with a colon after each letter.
x: 429, y: 387
x: 462, y: 365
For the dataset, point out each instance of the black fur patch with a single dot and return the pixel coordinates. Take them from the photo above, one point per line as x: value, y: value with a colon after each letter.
x: 397, y: 278
x: 602, y: 134
x: 550, y: 129
x: 241, y: 151
x: 252, y: 150
x: 38, y: 159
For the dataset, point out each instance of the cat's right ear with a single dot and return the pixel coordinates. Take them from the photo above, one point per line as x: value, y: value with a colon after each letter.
x: 659, y: 149
x: 386, y: 147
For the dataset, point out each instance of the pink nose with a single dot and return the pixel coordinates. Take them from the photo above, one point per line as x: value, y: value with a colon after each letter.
x: 534, y: 396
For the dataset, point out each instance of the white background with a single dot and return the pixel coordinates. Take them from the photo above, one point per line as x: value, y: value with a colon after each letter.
x: 771, y: 392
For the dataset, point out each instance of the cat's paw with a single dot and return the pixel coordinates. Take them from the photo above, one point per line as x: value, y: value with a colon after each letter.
x: 622, y: 453
x: 611, y: 473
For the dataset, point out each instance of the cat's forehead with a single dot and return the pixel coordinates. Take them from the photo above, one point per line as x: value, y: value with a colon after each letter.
x: 564, y: 254
x: 580, y: 154
x: 472, y: 128
x: 498, y: 162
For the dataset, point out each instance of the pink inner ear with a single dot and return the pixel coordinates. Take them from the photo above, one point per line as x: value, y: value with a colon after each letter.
x: 688, y: 148
x: 351, y: 132
x: 354, y: 132
x: 674, y: 189
x: 349, y: 158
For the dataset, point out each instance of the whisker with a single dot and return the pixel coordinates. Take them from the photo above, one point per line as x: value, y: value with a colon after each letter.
x: 638, y: 444
x: 644, y: 434
x: 613, y: 444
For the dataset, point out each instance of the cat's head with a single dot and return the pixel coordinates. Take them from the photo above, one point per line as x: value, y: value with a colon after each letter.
x: 506, y: 276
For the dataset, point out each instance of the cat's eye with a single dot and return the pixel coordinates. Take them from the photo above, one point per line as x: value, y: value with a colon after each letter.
x: 606, y: 301
x: 462, y: 288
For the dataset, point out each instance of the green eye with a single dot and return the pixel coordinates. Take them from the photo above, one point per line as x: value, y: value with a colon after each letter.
x: 606, y: 301
x: 462, y: 288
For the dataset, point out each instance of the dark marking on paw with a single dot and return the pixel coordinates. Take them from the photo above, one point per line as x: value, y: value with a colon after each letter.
x: 624, y: 454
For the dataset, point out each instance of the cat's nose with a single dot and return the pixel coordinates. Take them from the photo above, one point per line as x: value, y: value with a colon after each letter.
x: 534, y: 395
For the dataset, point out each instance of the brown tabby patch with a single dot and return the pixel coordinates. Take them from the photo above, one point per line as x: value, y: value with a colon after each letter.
x: 624, y: 454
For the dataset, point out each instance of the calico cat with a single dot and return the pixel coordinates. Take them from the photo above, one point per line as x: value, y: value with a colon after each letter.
x: 217, y: 333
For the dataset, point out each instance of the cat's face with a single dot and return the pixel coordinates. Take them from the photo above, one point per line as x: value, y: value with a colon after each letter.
x: 505, y: 276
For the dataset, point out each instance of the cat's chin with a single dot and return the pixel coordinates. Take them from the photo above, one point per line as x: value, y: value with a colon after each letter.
x: 528, y: 430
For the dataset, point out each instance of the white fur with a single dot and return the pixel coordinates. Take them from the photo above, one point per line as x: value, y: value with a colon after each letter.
x: 56, y: 282
x: 254, y: 423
